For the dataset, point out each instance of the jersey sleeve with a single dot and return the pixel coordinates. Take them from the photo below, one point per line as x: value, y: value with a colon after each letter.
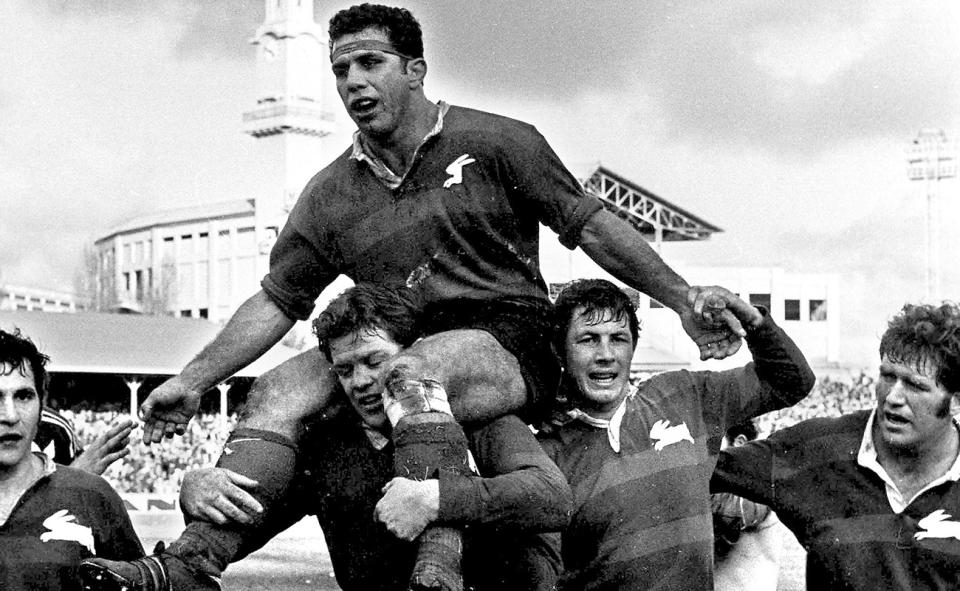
x: 301, y: 261
x: 747, y: 471
x: 779, y: 376
x: 545, y: 184
x: 519, y: 486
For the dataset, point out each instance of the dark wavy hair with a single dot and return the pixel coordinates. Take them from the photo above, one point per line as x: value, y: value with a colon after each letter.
x: 397, y: 311
x: 601, y: 301
x: 922, y: 334
x: 18, y: 352
x: 401, y: 28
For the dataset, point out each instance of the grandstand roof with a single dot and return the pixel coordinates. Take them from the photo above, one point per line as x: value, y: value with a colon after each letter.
x: 93, y: 342
x: 646, y: 211
x: 182, y: 215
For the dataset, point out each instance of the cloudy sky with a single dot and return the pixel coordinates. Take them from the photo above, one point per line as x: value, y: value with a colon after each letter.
x: 784, y: 123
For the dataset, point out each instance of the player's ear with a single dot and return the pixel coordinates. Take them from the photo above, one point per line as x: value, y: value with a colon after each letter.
x: 955, y: 404
x: 416, y: 71
x: 739, y: 440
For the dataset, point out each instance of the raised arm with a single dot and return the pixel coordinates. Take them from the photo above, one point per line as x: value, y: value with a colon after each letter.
x: 255, y: 327
x: 519, y: 488
x: 779, y: 375
x: 620, y: 250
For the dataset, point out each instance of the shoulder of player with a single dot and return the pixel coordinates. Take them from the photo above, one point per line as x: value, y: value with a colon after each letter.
x: 834, y: 437
x: 342, y: 168
x: 481, y: 125
x: 66, y: 476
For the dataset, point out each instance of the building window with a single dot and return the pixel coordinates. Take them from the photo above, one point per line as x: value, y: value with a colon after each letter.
x: 246, y: 241
x: 186, y: 247
x: 203, y: 313
x: 126, y: 282
x: 761, y: 299
x: 140, y: 286
x: 818, y: 310
x: 791, y: 309
x: 186, y: 313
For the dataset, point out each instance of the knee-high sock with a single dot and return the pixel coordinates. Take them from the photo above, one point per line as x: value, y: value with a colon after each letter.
x: 270, y: 459
x: 425, y: 443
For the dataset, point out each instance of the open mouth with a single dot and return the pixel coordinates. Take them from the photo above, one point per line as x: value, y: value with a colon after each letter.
x: 363, y: 106
x: 895, y: 419
x: 603, y: 378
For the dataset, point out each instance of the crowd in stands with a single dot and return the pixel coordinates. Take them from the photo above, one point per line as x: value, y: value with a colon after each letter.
x: 160, y: 468
x: 156, y: 468
x: 830, y: 398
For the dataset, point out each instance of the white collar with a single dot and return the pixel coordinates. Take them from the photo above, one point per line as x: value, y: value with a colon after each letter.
x: 867, y: 457
x: 612, y: 425
x: 377, y: 166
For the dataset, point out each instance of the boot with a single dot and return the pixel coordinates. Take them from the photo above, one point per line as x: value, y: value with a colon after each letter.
x: 161, y: 571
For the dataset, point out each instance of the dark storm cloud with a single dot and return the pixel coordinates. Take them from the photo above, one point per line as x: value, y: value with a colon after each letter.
x: 698, y: 63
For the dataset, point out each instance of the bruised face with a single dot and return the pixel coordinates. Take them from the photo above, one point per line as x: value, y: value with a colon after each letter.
x: 913, y: 409
x: 359, y: 359
x: 599, y: 350
x: 19, y: 414
x: 376, y: 87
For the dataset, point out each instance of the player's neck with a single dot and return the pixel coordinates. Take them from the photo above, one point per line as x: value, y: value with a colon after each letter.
x: 15, y: 480
x: 396, y: 150
x: 917, y: 467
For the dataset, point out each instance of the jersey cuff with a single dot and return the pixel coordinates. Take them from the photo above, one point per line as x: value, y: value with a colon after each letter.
x: 292, y: 306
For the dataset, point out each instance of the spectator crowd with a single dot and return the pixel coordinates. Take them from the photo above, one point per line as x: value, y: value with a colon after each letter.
x: 160, y: 468
x: 155, y: 468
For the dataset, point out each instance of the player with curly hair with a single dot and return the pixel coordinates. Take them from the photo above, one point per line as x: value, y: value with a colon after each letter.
x: 873, y: 495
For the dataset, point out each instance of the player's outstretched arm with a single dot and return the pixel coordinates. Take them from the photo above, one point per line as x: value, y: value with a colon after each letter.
x: 255, y: 327
x: 107, y: 448
x: 620, y: 250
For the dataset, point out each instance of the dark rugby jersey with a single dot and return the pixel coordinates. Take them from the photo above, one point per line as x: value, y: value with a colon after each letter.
x: 66, y: 516
x: 522, y: 493
x: 642, y: 517
x: 840, y: 512
x: 454, y: 228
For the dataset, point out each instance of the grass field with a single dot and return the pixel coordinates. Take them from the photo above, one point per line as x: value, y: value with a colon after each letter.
x: 297, y: 559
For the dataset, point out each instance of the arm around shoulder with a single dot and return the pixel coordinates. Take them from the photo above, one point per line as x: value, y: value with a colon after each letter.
x: 519, y: 486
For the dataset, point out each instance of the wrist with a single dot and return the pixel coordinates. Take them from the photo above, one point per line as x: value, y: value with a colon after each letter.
x: 756, y: 319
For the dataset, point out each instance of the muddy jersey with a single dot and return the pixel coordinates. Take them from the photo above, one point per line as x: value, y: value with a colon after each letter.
x: 463, y: 222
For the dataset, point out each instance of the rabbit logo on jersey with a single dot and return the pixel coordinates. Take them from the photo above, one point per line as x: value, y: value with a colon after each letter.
x: 667, y: 435
x: 937, y: 526
x: 62, y: 527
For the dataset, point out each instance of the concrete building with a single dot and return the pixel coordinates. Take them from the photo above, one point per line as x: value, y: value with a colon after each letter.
x: 204, y: 261
x: 15, y: 297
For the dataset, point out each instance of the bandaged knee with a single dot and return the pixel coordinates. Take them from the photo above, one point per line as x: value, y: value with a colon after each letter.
x: 427, y: 439
x: 426, y: 436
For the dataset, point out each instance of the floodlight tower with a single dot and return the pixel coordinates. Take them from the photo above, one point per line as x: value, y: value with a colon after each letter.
x: 930, y: 157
